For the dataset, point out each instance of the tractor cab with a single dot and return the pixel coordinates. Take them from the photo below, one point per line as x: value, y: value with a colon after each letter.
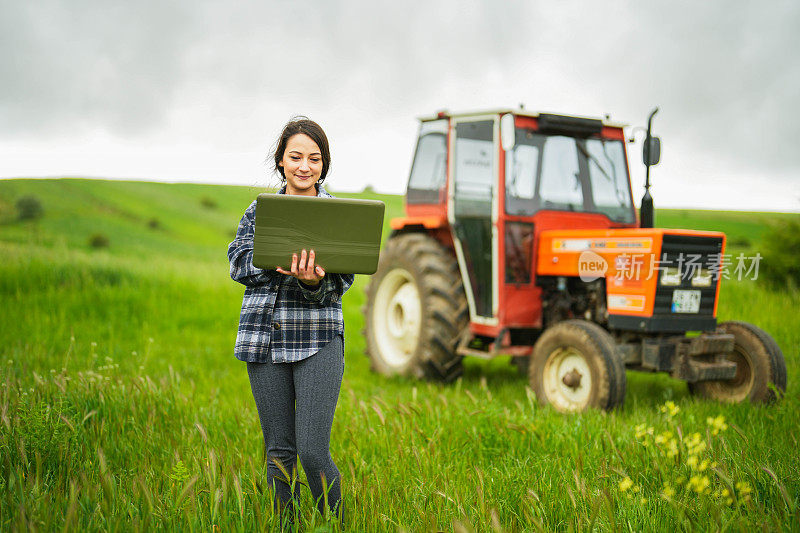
x: 512, y: 175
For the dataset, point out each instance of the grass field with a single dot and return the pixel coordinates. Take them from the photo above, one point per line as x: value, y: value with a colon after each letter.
x: 122, y: 406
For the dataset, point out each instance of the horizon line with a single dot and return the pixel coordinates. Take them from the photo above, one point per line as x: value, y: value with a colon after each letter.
x: 374, y: 190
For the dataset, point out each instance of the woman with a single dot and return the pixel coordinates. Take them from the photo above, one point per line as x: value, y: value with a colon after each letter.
x: 291, y: 334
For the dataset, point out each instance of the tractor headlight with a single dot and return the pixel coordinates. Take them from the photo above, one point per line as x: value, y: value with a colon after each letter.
x: 671, y: 277
x: 702, y: 278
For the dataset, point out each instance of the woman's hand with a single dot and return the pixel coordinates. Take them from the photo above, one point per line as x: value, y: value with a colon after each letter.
x: 303, y: 270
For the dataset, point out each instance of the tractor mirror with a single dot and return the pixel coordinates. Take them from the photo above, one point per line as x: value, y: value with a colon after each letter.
x: 508, y: 133
x: 651, y: 152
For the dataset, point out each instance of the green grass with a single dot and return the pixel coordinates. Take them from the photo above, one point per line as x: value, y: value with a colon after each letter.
x: 744, y: 230
x: 122, y: 407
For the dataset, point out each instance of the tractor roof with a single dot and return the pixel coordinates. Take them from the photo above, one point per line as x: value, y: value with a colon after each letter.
x: 520, y: 112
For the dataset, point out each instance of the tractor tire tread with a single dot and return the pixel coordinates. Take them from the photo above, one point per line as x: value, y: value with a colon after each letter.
x: 442, y: 302
x: 609, y: 379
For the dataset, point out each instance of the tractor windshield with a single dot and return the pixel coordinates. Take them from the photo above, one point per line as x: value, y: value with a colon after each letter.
x: 567, y: 173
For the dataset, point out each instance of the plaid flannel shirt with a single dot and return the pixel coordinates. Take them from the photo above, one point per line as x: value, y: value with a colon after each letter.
x: 282, y: 317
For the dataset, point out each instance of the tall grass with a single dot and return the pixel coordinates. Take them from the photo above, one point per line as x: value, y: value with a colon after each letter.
x: 122, y: 407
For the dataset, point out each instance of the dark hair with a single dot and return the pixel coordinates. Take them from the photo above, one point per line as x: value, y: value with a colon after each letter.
x: 306, y: 126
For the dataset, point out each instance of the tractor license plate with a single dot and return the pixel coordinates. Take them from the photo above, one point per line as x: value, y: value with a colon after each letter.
x: 685, y: 301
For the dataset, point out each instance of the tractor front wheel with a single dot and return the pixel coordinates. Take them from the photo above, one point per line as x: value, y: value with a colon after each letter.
x: 760, y: 368
x: 416, y: 310
x: 574, y: 367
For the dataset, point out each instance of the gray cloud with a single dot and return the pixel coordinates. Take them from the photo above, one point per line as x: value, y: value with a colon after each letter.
x: 119, y: 66
x: 725, y: 75
x: 67, y: 66
x: 730, y: 75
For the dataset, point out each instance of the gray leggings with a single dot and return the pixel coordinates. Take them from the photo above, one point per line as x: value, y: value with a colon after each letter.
x: 296, y: 403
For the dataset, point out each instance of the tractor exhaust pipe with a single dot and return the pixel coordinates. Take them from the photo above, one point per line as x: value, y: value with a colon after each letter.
x: 651, y: 153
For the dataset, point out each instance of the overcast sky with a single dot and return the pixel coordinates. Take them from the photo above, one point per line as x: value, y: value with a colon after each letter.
x: 198, y: 91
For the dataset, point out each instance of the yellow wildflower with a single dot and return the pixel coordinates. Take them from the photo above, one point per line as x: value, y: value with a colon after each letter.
x: 670, y: 409
x: 743, y: 488
x: 672, y: 450
x: 642, y: 430
x: 693, y: 439
x: 692, y: 461
x: 668, y: 491
x: 625, y: 484
x: 699, y: 484
x: 717, y: 424
x: 700, y: 448
x: 663, y: 438
x: 695, y: 444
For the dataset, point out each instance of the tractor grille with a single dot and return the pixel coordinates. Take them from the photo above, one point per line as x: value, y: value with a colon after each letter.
x: 690, y: 253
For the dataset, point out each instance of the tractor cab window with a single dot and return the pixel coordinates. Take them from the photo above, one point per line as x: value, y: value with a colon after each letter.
x: 521, y: 163
x: 429, y: 169
x: 608, y: 176
x: 522, y: 167
x: 559, y: 178
x: 569, y: 174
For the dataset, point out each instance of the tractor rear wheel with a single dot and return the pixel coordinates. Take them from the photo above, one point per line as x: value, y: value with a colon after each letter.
x: 760, y: 368
x: 416, y: 310
x: 574, y: 367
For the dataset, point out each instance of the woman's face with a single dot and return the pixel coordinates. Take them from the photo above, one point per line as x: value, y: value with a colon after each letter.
x: 302, y: 165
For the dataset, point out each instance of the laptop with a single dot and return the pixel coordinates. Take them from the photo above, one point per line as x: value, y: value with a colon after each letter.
x: 344, y: 233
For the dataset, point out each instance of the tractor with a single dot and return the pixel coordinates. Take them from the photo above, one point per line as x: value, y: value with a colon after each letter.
x: 521, y: 238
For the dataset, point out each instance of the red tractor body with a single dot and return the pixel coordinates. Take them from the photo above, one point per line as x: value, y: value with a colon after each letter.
x: 535, y: 225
